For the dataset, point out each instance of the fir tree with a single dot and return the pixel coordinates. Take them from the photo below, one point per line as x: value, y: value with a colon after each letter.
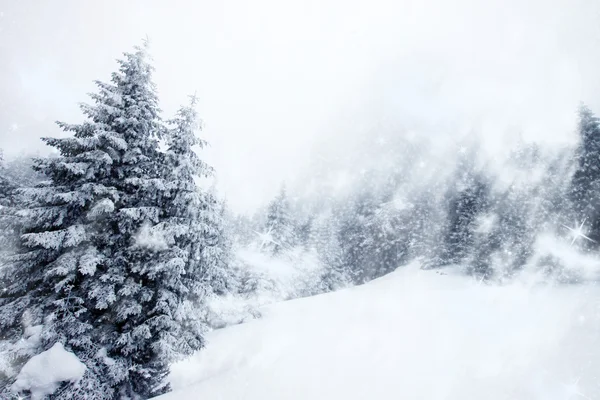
x: 358, y: 237
x: 194, y: 260
x: 280, y: 224
x: 105, y: 261
x: 467, y: 198
x: 585, y: 185
x: 134, y: 289
x: 464, y: 209
x: 9, y: 221
x: 324, y: 240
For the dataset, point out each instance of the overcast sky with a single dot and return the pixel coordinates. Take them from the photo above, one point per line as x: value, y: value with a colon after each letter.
x: 277, y: 79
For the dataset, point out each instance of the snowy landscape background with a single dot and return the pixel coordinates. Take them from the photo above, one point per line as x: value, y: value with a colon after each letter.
x: 399, y: 199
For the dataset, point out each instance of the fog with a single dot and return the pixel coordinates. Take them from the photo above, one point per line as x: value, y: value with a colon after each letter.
x: 285, y: 84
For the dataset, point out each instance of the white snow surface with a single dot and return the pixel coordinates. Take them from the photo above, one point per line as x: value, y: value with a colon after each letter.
x: 44, y: 373
x: 413, y: 334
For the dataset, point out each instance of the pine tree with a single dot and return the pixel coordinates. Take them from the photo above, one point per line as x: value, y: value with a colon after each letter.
x: 221, y: 278
x: 324, y: 240
x: 280, y: 224
x: 194, y: 225
x: 133, y: 289
x: 467, y: 199
x: 9, y: 221
x: 103, y: 264
x: 6, y: 186
x: 464, y: 209
x: 585, y: 185
x: 358, y: 237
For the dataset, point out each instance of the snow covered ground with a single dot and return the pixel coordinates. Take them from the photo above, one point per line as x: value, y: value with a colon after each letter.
x: 412, y: 334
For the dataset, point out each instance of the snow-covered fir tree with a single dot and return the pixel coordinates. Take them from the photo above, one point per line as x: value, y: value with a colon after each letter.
x: 218, y: 255
x: 468, y: 198
x: 324, y: 240
x: 113, y: 251
x: 9, y: 221
x: 585, y: 185
x: 6, y: 186
x: 196, y: 216
x: 357, y: 236
x: 280, y: 225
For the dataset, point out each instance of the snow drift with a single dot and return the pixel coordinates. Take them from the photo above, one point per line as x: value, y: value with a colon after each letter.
x: 413, y: 334
x: 44, y: 373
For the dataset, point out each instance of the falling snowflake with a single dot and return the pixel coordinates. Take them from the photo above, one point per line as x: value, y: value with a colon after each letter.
x: 578, y: 232
x: 462, y: 150
x: 14, y: 127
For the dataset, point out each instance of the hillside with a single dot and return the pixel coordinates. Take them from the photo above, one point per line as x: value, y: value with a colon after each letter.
x: 413, y: 334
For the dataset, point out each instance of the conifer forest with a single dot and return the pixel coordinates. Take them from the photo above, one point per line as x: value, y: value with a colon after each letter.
x: 299, y: 200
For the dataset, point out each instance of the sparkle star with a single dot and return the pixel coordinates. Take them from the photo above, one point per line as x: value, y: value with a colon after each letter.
x: 578, y: 232
x: 572, y: 390
x: 266, y: 238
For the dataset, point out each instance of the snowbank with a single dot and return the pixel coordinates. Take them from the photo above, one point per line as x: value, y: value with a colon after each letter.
x: 412, y: 334
x: 44, y: 373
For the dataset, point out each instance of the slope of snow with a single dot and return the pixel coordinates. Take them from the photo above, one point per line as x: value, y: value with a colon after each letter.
x: 44, y: 373
x: 413, y: 334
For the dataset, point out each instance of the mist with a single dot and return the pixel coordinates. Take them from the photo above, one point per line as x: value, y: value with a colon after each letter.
x: 280, y: 82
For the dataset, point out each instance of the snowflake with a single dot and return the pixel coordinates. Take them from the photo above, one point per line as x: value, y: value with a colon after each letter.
x: 14, y: 127
x: 578, y: 232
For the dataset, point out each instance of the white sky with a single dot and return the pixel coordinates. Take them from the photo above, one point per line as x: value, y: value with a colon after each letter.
x: 276, y: 78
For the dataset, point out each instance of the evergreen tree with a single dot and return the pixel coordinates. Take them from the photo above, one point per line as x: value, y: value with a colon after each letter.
x: 189, y: 229
x: 6, y: 186
x: 221, y: 277
x: 303, y: 232
x: 280, y: 224
x: 9, y: 220
x: 357, y: 235
x: 469, y: 203
x: 467, y: 199
x: 392, y: 237
x: 324, y: 240
x: 585, y: 185
x: 107, y: 263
